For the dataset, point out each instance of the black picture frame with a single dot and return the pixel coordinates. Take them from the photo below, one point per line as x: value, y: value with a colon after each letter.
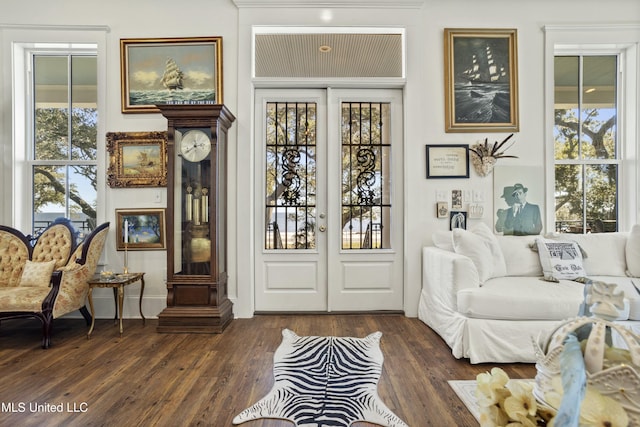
x: 447, y: 161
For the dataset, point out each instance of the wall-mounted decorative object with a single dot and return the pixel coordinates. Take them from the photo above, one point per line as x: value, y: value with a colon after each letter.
x: 476, y: 210
x: 448, y: 161
x: 442, y: 210
x: 456, y: 199
x: 170, y: 71
x: 518, y: 199
x: 457, y: 219
x: 137, y: 159
x: 484, y: 155
x: 140, y: 229
x: 481, y: 80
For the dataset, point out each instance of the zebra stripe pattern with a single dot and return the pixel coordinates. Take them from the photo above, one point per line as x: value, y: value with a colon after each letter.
x: 325, y: 382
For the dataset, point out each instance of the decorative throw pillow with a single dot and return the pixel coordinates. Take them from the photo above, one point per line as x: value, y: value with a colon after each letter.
x: 632, y: 251
x: 37, y: 273
x: 560, y: 259
x: 481, y: 245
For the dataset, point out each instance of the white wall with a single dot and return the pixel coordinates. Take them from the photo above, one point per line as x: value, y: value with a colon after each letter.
x: 424, y: 101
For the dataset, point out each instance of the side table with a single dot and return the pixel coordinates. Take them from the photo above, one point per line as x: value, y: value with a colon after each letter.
x: 117, y: 283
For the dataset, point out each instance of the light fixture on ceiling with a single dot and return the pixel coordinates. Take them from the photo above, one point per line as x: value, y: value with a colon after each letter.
x: 590, y: 90
x: 324, y: 48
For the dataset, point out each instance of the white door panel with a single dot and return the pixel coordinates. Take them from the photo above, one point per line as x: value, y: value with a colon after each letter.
x: 329, y: 193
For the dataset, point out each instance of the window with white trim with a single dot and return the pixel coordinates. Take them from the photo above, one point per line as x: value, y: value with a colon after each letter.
x: 62, y: 120
x: 587, y: 154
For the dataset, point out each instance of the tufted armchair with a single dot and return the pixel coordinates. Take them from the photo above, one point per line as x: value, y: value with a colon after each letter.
x: 65, y: 289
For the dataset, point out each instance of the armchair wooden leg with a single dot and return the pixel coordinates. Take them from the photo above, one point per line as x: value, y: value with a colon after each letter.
x: 85, y: 313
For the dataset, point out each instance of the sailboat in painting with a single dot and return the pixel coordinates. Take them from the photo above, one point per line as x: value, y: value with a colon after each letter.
x: 484, y: 69
x: 172, y: 77
x: 482, y: 92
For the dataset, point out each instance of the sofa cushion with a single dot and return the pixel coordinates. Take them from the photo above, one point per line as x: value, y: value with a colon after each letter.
x: 524, y: 298
x: 560, y: 259
x: 632, y: 251
x: 443, y: 240
x: 37, y: 273
x: 605, y: 252
x: 481, y: 245
x: 520, y: 260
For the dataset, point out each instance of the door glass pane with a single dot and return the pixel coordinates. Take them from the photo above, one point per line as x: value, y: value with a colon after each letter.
x: 366, y: 173
x: 290, y: 182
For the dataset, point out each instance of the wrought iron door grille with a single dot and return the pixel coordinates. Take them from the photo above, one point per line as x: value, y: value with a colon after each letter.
x: 290, y: 184
x: 366, y: 175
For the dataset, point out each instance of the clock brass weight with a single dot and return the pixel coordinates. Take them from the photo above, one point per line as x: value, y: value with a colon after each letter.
x: 197, y: 299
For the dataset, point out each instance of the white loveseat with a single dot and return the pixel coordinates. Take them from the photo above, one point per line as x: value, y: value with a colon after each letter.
x: 486, y: 296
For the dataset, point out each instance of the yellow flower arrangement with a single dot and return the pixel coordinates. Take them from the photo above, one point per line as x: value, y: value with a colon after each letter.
x: 511, y: 403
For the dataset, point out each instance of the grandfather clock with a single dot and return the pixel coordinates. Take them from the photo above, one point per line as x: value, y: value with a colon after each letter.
x: 196, y: 219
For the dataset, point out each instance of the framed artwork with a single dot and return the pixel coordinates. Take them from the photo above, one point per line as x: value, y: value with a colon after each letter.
x: 140, y: 229
x: 456, y: 199
x: 481, y: 80
x: 457, y: 219
x: 442, y: 210
x: 448, y: 161
x: 170, y: 71
x: 518, y: 200
x: 137, y: 159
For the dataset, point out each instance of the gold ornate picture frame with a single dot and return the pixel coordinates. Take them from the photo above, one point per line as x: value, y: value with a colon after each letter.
x: 481, y: 80
x: 170, y: 71
x: 137, y: 159
x: 143, y: 229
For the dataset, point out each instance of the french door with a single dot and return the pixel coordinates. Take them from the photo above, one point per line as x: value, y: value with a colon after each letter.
x: 329, y: 200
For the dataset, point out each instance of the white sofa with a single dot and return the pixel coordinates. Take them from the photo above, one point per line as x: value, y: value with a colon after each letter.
x: 486, y: 296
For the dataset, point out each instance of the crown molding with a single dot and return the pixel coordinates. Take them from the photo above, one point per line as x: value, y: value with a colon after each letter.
x: 49, y: 27
x: 369, y: 4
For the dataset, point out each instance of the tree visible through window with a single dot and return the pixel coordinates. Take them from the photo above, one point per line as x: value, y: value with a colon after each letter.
x: 586, y: 144
x: 63, y: 156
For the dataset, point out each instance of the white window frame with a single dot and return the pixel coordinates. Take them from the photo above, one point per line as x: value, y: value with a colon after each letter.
x: 22, y: 43
x: 623, y: 41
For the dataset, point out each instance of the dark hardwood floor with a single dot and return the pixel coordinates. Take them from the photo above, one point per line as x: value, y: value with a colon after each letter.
x: 145, y: 378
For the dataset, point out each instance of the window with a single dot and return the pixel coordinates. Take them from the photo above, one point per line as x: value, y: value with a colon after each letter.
x: 62, y: 146
x: 587, y: 152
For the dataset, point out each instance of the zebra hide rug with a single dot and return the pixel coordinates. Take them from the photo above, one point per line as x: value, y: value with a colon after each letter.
x: 325, y: 381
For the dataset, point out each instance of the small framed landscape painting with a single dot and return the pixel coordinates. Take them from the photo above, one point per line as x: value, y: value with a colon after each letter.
x: 137, y: 159
x: 140, y: 229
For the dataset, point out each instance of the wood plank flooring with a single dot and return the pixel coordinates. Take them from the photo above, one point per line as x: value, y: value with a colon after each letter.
x: 145, y: 378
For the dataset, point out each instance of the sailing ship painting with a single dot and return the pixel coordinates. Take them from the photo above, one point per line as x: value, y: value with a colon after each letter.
x: 481, y: 79
x: 186, y: 71
x: 173, y: 76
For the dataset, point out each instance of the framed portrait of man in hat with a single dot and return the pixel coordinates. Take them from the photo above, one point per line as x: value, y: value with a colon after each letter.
x: 517, y: 191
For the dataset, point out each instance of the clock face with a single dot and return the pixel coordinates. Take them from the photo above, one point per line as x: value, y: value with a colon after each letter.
x: 195, y: 145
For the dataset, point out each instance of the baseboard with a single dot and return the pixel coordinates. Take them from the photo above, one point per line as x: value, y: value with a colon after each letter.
x: 104, y: 307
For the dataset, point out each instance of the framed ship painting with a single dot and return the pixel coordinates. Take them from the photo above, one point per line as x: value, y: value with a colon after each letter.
x: 481, y: 80
x: 137, y: 159
x: 170, y: 71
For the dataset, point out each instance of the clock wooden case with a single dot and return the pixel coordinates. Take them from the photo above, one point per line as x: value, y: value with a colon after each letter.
x: 196, y: 219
